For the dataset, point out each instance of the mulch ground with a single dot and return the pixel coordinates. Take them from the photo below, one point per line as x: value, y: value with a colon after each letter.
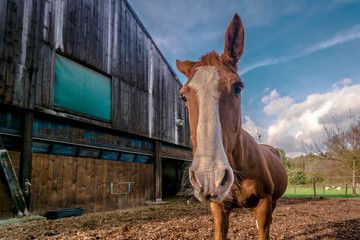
x: 294, y: 218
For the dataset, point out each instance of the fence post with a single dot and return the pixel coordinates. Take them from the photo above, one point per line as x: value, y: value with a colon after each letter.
x: 294, y: 189
x: 346, y: 186
x: 323, y: 189
x: 314, y: 186
x: 359, y: 188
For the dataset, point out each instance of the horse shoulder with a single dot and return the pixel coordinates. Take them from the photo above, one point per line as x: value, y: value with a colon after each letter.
x: 257, y: 179
x: 276, y: 169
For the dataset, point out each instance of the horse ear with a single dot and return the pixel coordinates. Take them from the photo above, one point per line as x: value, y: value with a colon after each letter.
x: 185, y: 67
x: 234, y: 40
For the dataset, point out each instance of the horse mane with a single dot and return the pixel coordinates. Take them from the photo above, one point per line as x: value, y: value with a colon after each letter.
x: 210, y: 57
x: 214, y: 59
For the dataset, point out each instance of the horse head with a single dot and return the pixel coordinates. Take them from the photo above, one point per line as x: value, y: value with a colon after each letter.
x: 213, y: 97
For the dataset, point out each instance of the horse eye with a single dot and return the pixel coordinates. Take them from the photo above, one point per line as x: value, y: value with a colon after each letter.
x: 238, y: 87
x: 183, y: 98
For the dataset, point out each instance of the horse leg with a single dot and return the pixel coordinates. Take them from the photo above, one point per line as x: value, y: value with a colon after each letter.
x: 221, y: 220
x: 273, y: 206
x: 263, y: 215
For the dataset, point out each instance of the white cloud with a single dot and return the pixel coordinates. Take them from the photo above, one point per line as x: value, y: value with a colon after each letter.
x: 302, y: 121
x: 275, y: 104
x: 340, y: 37
x: 251, y: 127
x: 273, y: 95
x: 342, y: 83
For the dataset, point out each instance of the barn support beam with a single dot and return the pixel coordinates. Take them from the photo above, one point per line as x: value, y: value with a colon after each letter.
x: 26, y: 155
x: 158, y: 171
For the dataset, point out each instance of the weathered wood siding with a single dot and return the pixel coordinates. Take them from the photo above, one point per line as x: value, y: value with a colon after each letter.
x: 105, y: 35
x: 64, y: 182
x: 7, y: 208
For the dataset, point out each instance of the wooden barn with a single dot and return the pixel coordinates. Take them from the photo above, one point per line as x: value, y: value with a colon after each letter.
x: 89, y: 107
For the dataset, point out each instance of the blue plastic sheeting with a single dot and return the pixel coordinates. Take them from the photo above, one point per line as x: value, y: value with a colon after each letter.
x: 89, y: 152
x: 143, y: 159
x: 10, y: 122
x: 64, y: 150
x: 127, y: 157
x: 109, y: 155
x: 41, y: 147
x: 81, y: 89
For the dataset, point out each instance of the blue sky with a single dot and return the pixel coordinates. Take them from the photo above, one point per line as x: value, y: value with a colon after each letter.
x: 301, y: 62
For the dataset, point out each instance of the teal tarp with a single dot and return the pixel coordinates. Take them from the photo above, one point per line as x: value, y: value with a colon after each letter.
x: 81, y: 89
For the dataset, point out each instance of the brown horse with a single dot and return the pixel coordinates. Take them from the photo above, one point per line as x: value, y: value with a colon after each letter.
x: 229, y: 168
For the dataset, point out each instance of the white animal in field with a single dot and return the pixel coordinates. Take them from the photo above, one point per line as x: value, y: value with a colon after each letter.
x: 338, y: 188
x: 327, y: 188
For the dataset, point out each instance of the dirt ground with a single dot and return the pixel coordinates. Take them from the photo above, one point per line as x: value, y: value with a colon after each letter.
x: 294, y: 218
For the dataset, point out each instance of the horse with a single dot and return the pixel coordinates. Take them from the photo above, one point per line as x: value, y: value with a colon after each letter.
x: 229, y: 168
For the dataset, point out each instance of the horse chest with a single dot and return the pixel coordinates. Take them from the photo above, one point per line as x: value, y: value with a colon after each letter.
x: 242, y: 196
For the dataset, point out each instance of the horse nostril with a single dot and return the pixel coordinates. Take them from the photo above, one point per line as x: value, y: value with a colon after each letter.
x: 207, y: 197
x: 224, y: 180
x: 193, y: 179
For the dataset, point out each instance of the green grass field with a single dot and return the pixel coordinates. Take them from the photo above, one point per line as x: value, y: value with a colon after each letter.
x: 308, y: 191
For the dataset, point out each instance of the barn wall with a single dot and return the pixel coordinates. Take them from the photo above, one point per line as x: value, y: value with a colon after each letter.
x: 64, y: 182
x: 103, y: 35
x: 6, y: 205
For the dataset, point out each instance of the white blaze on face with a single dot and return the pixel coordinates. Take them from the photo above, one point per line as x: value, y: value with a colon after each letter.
x: 210, y: 159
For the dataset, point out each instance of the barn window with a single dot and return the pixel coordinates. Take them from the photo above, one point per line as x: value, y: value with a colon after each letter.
x: 80, y: 89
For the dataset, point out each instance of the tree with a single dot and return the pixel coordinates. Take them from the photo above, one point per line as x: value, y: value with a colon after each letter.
x: 297, y: 176
x: 341, y: 143
x: 284, y: 159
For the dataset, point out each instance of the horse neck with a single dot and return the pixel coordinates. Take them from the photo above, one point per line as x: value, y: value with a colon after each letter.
x: 245, y: 152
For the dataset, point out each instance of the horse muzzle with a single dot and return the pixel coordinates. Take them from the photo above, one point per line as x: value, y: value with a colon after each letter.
x: 211, y: 184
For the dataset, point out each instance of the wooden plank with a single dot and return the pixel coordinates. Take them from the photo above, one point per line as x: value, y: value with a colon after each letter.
x: 139, y: 58
x: 69, y: 26
x: 9, y: 82
x: 13, y: 184
x: 41, y: 26
x: 125, y: 106
x: 66, y: 185
x: 2, y: 79
x: 3, y: 16
x: 109, y: 180
x: 98, y: 188
x: 33, y: 54
x: 91, y: 187
x: 48, y: 75
x: 134, y: 59
x: 116, y: 175
x: 1, y: 144
x: 158, y: 170
x: 11, y: 42
x: 49, y: 181
x: 116, y: 103
x: 82, y: 30
x: 60, y: 182
x: 55, y: 187
x: 124, y: 172
x: 42, y: 183
x: 112, y: 179
x: 122, y: 37
x: 105, y: 189
x: 73, y: 187
x: 78, y: 30
x: 127, y: 77
x: 81, y: 184
x: 26, y: 156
